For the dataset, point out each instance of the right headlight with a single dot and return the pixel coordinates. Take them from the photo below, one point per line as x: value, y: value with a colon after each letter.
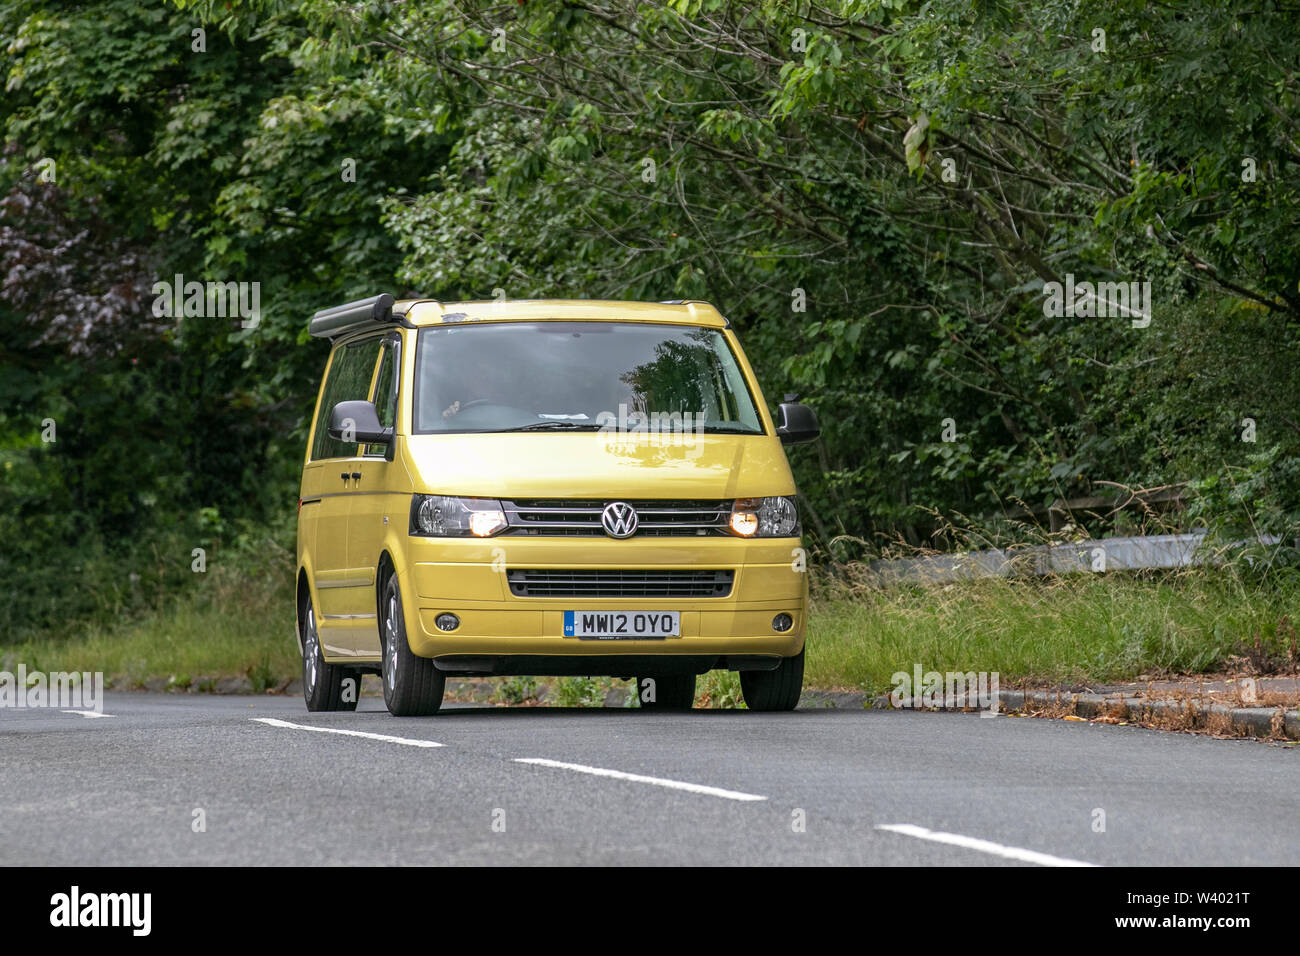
x: 764, y: 517
x: 444, y: 516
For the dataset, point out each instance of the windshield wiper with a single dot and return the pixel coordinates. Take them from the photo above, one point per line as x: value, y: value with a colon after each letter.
x: 728, y: 430
x: 554, y: 426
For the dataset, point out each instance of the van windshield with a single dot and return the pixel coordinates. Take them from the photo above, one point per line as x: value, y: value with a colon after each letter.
x: 579, y: 376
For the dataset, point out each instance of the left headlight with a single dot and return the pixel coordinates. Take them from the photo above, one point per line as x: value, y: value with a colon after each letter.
x: 444, y: 516
x: 764, y: 518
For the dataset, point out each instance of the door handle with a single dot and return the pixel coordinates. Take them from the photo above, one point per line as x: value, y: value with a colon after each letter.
x: 356, y: 476
x: 344, y: 476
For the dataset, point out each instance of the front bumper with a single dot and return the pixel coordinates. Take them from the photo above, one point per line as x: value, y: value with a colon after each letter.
x: 468, y: 579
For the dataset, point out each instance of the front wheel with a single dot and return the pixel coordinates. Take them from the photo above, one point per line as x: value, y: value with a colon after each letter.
x: 666, y: 692
x: 774, y: 690
x: 324, y: 686
x: 412, y: 685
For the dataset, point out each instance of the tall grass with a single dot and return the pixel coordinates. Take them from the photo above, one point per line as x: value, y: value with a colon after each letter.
x: 1078, y: 628
x: 234, y: 618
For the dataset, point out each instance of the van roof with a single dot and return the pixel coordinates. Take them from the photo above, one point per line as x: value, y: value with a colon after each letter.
x: 431, y: 312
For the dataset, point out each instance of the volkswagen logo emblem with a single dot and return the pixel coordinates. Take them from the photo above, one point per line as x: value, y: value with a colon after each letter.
x: 619, y: 519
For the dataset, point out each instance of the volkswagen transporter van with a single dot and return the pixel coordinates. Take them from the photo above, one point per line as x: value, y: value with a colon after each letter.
x: 546, y: 488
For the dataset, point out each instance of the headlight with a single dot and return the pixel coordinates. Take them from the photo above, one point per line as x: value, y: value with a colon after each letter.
x: 443, y: 516
x: 764, y: 518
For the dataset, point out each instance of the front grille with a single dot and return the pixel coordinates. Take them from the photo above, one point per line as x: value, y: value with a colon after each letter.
x: 658, y: 517
x: 619, y: 584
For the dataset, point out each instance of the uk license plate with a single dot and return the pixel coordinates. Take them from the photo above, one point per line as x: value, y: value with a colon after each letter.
x: 622, y: 625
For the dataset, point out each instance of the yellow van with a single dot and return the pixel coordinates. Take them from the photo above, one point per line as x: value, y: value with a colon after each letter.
x: 557, y: 487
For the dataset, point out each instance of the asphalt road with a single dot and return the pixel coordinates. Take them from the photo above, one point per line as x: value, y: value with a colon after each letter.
x: 709, y: 787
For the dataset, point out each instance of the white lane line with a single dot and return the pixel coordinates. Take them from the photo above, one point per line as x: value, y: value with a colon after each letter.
x: 87, y: 713
x: 983, y: 846
x: 640, y: 778
x: 408, y: 741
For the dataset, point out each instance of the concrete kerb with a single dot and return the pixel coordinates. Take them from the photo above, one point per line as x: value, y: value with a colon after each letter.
x: 1275, y: 722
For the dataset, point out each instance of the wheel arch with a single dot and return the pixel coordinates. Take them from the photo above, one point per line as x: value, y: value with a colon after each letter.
x: 302, y: 595
x: 386, y: 567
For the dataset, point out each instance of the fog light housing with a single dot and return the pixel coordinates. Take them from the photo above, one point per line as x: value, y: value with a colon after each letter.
x: 446, y: 622
x: 782, y: 623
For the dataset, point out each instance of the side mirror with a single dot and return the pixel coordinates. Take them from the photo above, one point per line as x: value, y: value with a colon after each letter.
x: 358, y: 422
x: 796, y: 423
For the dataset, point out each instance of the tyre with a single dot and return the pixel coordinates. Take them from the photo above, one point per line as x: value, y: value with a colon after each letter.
x: 668, y: 692
x: 412, y: 685
x: 774, y: 690
x: 324, y: 686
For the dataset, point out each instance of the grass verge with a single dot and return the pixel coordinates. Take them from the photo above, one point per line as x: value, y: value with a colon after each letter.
x: 1078, y: 628
x: 230, y: 621
x: 1071, y: 629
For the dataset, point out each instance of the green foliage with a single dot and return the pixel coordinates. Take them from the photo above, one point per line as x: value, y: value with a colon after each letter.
x: 579, y: 692
x: 219, y: 165
x: 911, y: 173
x: 518, y: 690
x: 1252, y: 512
x: 719, y: 690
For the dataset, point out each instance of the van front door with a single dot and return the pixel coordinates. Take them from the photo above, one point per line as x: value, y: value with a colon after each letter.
x: 335, y: 469
x: 376, y: 499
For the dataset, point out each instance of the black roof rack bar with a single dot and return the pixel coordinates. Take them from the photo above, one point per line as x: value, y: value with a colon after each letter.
x: 329, y: 323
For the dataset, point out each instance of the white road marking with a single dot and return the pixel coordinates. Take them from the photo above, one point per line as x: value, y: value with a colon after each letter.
x: 87, y: 713
x: 983, y: 846
x: 640, y: 778
x: 408, y: 741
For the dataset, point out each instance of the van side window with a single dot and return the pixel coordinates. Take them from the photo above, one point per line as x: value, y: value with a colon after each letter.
x: 385, y: 394
x: 348, y: 380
